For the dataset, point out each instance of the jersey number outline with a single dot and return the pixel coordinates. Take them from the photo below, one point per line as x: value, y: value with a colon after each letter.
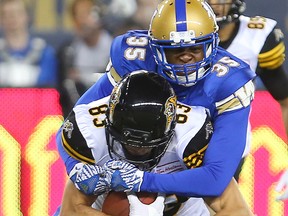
x: 181, y: 118
x: 257, y: 22
x: 137, y: 51
x: 95, y: 112
x: 223, y: 65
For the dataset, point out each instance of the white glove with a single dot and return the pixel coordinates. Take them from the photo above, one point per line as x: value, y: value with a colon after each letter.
x: 282, y: 185
x: 137, y: 208
x: 124, y: 176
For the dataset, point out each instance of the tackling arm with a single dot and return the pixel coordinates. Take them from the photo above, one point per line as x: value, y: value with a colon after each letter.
x: 231, y: 202
x: 220, y: 161
x: 75, y: 202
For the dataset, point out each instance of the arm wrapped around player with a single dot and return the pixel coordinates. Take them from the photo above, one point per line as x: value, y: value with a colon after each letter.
x: 124, y: 176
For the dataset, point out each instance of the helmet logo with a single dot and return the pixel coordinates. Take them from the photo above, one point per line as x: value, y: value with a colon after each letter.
x: 68, y: 128
x: 170, y: 109
x: 114, y: 100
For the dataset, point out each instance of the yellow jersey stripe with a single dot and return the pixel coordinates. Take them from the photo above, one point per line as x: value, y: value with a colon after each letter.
x: 272, y: 64
x: 276, y: 51
x: 195, y: 160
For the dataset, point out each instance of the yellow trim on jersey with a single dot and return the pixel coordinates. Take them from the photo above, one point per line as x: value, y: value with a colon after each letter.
x: 274, y: 51
x: 73, y: 153
x: 239, y: 99
x: 115, y: 75
x: 195, y: 160
x: 272, y: 64
x: 234, y: 102
x: 273, y: 58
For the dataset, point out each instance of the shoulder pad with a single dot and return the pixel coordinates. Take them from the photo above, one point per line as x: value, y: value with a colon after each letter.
x: 73, y: 141
x: 130, y: 52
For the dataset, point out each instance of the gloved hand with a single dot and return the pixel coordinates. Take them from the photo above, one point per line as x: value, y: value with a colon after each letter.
x: 124, y: 176
x: 282, y: 185
x: 137, y: 208
x: 92, y: 179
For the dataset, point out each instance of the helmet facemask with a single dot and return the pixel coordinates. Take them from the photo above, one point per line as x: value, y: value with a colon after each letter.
x: 185, y: 74
x: 118, y: 146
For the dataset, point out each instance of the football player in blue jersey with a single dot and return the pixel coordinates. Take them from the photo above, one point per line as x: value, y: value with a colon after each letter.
x: 137, y: 124
x: 182, y: 46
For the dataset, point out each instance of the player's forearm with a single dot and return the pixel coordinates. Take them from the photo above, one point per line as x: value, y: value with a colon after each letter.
x: 231, y: 202
x: 77, y: 203
x: 184, y: 183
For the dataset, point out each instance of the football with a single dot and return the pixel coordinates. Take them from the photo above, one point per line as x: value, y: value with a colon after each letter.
x: 116, y: 203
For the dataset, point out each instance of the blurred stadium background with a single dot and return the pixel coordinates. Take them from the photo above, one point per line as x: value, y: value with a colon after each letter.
x: 32, y: 176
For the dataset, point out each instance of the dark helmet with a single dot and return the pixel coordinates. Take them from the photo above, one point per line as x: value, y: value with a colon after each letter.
x: 237, y: 7
x: 141, y: 119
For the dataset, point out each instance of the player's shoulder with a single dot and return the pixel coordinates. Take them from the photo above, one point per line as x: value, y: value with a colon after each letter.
x: 190, y: 119
x: 226, y: 65
x: 228, y: 75
x: 83, y: 130
x: 130, y: 52
x: 133, y: 38
x: 256, y: 23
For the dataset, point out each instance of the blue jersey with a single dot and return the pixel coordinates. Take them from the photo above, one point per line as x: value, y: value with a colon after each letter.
x: 226, y: 92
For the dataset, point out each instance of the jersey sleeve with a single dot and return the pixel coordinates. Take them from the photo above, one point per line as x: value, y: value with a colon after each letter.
x: 270, y: 68
x: 130, y: 52
x: 272, y: 54
x: 73, y: 141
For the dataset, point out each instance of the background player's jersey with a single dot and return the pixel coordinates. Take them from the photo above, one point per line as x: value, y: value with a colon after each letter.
x: 259, y: 42
x: 255, y: 30
x: 82, y: 138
